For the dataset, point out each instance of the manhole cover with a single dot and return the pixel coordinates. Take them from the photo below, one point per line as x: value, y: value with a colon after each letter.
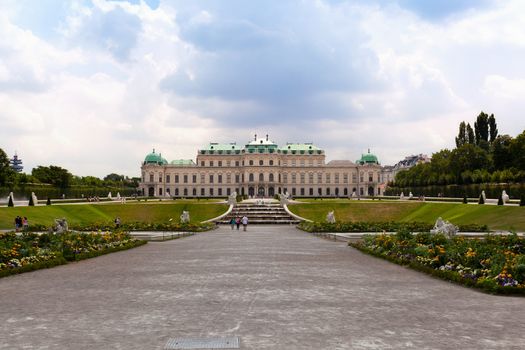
x: 203, y: 343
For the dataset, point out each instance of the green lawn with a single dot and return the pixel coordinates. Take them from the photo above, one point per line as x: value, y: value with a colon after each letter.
x: 149, y: 212
x: 495, y: 217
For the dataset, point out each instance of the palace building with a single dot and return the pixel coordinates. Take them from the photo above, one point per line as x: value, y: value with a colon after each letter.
x: 260, y: 169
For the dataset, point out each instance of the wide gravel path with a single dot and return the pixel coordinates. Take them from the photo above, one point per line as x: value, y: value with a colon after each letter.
x: 274, y: 287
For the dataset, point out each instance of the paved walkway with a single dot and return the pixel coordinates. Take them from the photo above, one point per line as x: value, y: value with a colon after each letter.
x: 274, y: 287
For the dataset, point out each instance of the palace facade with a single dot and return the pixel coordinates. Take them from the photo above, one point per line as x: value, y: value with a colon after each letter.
x: 260, y: 169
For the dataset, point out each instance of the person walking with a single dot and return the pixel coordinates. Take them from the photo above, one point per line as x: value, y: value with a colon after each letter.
x: 238, y: 222
x: 244, y: 222
x: 232, y: 223
x: 25, y: 224
x: 117, y: 222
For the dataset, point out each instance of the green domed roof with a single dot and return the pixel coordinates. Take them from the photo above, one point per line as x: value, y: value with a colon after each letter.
x: 155, y: 158
x: 368, y: 158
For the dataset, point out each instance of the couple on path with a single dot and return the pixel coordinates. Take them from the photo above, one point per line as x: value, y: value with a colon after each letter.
x: 237, y: 221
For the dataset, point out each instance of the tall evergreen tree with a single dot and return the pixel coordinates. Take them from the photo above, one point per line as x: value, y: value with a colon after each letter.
x: 481, y: 129
x: 470, y: 135
x: 461, y: 139
x: 493, y: 128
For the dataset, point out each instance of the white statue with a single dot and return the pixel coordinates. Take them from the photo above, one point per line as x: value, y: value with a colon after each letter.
x: 504, y: 197
x: 484, y: 196
x: 61, y: 225
x: 354, y: 195
x: 109, y: 196
x: 35, y: 198
x: 232, y: 198
x: 330, y: 218
x: 410, y: 195
x: 185, y: 217
x: 284, y: 198
x: 118, y: 196
x: 445, y: 228
x: 402, y: 196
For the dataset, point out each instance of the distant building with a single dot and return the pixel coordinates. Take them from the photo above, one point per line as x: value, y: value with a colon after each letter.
x: 260, y: 168
x: 389, y: 172
x: 16, y: 163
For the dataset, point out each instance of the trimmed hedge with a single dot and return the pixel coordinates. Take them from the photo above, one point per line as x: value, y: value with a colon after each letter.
x: 389, y: 226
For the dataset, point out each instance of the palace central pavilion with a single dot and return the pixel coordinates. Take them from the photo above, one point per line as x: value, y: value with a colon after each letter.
x: 260, y: 169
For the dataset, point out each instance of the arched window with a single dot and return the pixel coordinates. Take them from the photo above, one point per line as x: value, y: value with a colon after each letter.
x: 270, y: 177
x: 251, y: 162
x: 176, y: 191
x: 250, y: 177
x: 261, y: 162
x: 185, y: 191
x: 261, y: 177
x: 271, y: 162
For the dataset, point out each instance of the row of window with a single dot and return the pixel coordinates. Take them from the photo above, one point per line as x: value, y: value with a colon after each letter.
x: 295, y: 191
x: 271, y: 178
x: 261, y: 162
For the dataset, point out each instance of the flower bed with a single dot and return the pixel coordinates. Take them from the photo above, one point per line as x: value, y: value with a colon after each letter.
x: 29, y: 251
x: 389, y: 226
x: 495, y: 264
x: 132, y: 226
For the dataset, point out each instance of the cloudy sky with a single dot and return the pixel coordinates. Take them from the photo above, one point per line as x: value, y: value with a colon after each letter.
x: 93, y: 85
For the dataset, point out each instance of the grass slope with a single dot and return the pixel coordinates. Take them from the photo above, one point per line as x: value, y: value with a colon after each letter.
x: 98, y: 213
x: 495, y: 217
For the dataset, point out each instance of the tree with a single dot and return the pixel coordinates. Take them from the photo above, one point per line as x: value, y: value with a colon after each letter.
x: 522, y: 201
x: 6, y: 173
x: 114, y: 177
x: 53, y: 175
x: 517, y: 149
x: 481, y: 129
x: 493, y: 128
x: 501, y: 152
x: 31, y: 201
x: 468, y: 157
x: 461, y: 139
x: 470, y: 135
x: 500, y: 201
x: 465, y: 199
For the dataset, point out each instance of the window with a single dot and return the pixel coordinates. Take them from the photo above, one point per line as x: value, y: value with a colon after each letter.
x: 328, y: 191
x: 270, y: 177
x: 319, y: 191
x: 236, y: 163
x: 285, y: 162
x: 354, y: 178
x: 228, y: 163
x: 327, y: 178
x: 261, y: 177
x: 378, y: 178
x: 194, y: 191
x: 319, y: 162
x: 237, y: 180
x: 228, y: 178
x: 228, y: 191
x: 294, y: 178
x: 346, y: 191
x: 160, y: 177
x: 168, y: 178
x: 302, y: 162
x: 361, y: 177
x: 219, y: 191
x: 311, y: 178
x: 176, y: 179
x: 211, y: 162
x: 337, y: 191
x: 293, y: 162
x: 220, y: 162
x: 219, y: 178
x: 211, y: 178
x: 202, y: 163
x: 150, y: 177
x: 194, y: 178
x: 345, y: 178
x: 261, y: 162
x: 251, y: 162
x: 202, y: 179
x: 337, y: 178
x: 176, y: 191
x: 202, y: 192
x: 185, y: 179
x: 294, y: 192
x: 311, y: 191
x: 361, y: 192
x: 250, y: 177
x: 370, y: 177
x: 302, y: 178
x: 271, y: 162
x: 319, y: 178
x: 302, y: 191
x: 285, y: 177
x: 160, y: 191
x: 211, y: 191
x: 185, y: 191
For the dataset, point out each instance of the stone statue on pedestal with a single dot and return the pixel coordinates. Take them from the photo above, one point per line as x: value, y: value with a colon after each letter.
x: 445, y: 228
x: 330, y: 217
x: 185, y: 217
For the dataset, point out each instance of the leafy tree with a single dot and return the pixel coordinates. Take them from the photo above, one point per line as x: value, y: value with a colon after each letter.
x: 517, y: 150
x: 114, y: 177
x: 501, y: 152
x: 461, y: 139
x: 493, y: 128
x: 470, y: 135
x: 468, y: 157
x: 54, y: 175
x: 6, y: 172
x: 481, y: 129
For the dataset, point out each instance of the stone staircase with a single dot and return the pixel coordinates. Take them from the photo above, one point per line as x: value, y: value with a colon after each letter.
x: 260, y: 214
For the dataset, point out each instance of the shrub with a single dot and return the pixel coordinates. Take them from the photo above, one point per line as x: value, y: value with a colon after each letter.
x: 522, y: 201
x: 10, y: 203
x: 500, y: 201
x: 48, y: 201
x: 31, y: 201
x: 465, y: 200
x: 481, y: 200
